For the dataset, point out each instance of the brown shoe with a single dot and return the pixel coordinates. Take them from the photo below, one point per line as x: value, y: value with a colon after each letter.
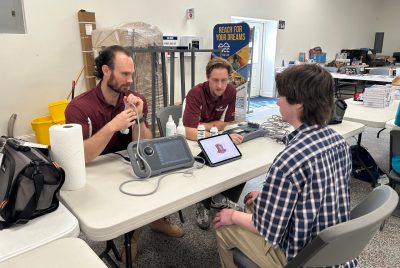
x: 166, y: 227
x: 134, y: 247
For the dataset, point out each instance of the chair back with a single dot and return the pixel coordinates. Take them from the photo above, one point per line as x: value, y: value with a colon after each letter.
x: 394, y: 143
x: 163, y: 115
x: 345, y: 241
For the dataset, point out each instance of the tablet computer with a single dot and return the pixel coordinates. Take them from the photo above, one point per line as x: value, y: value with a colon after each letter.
x: 218, y: 150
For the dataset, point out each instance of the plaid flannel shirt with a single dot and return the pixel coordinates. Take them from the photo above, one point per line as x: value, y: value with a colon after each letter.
x: 306, y: 189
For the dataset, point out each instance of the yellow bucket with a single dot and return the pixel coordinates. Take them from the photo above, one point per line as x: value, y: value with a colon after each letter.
x: 57, y: 109
x: 41, y: 127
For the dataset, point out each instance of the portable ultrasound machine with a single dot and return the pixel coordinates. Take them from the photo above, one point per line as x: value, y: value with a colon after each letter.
x: 159, y: 155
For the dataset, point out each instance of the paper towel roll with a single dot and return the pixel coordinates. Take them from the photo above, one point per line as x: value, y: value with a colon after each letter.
x: 66, y: 147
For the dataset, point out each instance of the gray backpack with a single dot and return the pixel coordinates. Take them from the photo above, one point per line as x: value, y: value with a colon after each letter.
x: 29, y: 183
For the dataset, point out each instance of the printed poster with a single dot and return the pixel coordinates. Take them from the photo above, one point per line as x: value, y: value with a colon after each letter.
x: 234, y: 39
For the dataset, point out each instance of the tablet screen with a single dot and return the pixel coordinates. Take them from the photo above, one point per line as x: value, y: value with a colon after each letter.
x: 219, y: 149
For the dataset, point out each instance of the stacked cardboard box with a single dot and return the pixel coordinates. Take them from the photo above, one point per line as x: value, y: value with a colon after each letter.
x: 379, y: 96
x: 87, y: 23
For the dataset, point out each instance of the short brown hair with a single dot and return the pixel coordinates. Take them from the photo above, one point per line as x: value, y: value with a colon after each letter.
x: 311, y: 85
x: 218, y: 63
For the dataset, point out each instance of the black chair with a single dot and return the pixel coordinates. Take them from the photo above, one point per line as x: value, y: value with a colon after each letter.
x: 345, y: 241
x: 162, y: 116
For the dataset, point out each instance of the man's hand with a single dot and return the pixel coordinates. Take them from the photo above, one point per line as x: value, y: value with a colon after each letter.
x: 135, y: 103
x: 224, y: 217
x: 123, y: 120
x: 250, y: 197
x: 236, y: 138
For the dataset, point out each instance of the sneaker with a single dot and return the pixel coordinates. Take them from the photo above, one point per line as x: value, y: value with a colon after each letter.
x: 134, y: 247
x: 202, y: 216
x: 235, y: 206
x: 166, y: 227
x: 219, y: 201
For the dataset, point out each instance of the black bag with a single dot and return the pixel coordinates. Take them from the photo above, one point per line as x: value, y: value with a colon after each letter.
x: 339, y: 108
x: 29, y: 183
x: 364, y: 166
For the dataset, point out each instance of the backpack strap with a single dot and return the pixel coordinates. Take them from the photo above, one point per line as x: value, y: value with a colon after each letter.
x: 25, y: 215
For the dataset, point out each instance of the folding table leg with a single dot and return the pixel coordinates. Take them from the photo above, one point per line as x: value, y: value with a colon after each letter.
x: 110, y: 245
x: 128, y: 255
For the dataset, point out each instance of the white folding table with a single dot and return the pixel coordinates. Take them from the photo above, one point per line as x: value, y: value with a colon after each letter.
x: 61, y: 253
x: 37, y: 232
x: 104, y: 213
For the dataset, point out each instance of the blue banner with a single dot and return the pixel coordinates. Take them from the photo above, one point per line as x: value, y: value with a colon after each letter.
x: 233, y: 39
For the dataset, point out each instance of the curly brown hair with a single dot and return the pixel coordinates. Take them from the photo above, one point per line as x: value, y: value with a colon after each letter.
x: 107, y: 57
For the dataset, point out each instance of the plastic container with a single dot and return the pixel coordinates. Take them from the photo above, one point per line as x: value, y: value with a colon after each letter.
x: 214, y: 131
x: 181, y: 128
x: 57, y: 109
x: 201, y: 132
x: 170, y: 127
x: 41, y: 127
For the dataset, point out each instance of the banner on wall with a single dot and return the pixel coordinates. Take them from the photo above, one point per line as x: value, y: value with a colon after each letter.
x: 233, y: 39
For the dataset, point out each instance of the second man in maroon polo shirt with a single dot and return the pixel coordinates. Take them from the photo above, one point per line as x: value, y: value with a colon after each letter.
x: 212, y: 103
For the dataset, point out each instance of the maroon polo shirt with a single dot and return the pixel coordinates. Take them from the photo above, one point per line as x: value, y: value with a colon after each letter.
x: 92, y: 107
x: 201, y: 106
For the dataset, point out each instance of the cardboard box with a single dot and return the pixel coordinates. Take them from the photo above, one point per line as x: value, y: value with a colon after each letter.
x: 84, y: 16
x: 90, y: 82
x: 88, y: 61
x: 87, y: 23
x: 86, y: 28
x: 86, y: 43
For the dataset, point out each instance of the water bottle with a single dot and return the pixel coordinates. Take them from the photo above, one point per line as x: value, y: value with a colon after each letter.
x: 181, y: 129
x: 214, y: 131
x: 170, y: 127
x: 201, y: 132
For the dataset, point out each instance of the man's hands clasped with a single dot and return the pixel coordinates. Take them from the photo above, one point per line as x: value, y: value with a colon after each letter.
x: 125, y: 119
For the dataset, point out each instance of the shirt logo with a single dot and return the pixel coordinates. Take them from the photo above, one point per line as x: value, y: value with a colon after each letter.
x: 220, y: 109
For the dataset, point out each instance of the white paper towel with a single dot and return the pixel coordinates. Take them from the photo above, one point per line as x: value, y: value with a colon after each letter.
x: 66, y: 147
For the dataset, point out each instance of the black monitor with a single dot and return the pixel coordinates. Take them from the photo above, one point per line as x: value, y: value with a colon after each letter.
x: 378, y: 42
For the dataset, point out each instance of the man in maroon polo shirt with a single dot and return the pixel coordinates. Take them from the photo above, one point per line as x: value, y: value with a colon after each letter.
x: 108, y: 110
x: 212, y: 103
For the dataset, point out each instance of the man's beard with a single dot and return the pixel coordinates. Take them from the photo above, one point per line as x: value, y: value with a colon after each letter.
x: 112, y: 84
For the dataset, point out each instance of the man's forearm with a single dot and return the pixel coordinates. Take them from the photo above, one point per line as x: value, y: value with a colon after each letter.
x: 244, y: 220
x: 94, y: 145
x: 191, y: 133
x: 219, y: 124
x: 145, y: 133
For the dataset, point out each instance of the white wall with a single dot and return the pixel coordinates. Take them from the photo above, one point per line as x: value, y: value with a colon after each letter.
x: 38, y: 67
x: 387, y: 20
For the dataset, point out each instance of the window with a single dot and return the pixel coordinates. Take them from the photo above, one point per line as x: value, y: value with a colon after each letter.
x: 12, y: 17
